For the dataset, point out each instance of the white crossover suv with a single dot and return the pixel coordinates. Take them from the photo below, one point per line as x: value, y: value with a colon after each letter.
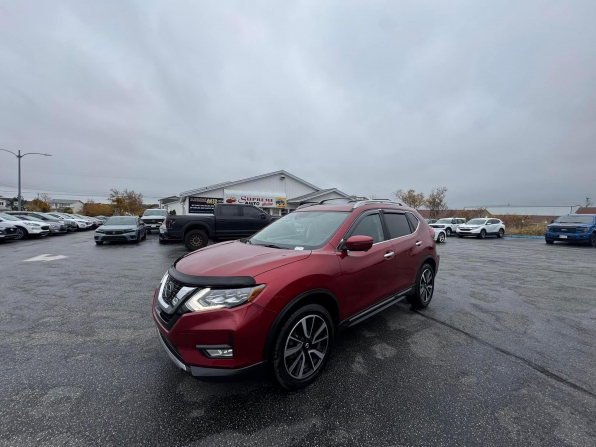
x: 25, y: 227
x: 481, y: 228
x: 448, y: 224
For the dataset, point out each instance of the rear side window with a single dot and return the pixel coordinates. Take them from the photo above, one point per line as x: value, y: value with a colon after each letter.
x: 413, y: 221
x: 370, y: 226
x: 229, y: 211
x: 249, y: 211
x: 397, y: 224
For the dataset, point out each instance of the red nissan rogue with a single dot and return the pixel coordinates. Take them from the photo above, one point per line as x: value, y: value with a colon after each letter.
x: 277, y: 299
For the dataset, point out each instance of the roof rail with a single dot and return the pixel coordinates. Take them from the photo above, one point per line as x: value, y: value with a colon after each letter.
x: 373, y: 201
x: 346, y: 199
x: 306, y: 205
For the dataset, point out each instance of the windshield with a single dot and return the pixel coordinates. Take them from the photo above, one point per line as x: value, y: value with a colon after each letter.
x: 155, y: 213
x: 585, y: 219
x: 121, y: 220
x: 301, y: 230
x: 443, y: 221
x: 8, y: 217
x: 476, y: 222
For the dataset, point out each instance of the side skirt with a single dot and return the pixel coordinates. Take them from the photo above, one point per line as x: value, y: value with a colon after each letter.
x: 376, y: 308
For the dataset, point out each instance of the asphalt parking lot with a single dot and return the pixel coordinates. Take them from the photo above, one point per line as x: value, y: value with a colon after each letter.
x: 504, y: 355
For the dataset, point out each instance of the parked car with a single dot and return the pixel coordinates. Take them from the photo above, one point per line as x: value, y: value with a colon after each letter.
x: 440, y: 235
x: 82, y: 224
x: 277, y: 299
x: 57, y: 226
x: 7, y: 231
x: 26, y: 228
x: 229, y: 221
x: 481, y: 228
x: 121, y: 228
x: 572, y: 228
x: 71, y: 224
x: 449, y: 224
x: 153, y: 218
x: 94, y: 222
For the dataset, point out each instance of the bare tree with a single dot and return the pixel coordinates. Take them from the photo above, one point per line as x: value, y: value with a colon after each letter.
x: 435, y: 202
x: 411, y: 198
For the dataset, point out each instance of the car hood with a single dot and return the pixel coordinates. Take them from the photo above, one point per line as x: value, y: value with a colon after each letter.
x: 237, y: 259
x: 570, y: 225
x: 117, y: 227
x: 153, y: 217
x: 469, y: 227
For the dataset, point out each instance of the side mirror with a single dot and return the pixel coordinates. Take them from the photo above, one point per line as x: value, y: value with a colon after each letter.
x: 359, y: 243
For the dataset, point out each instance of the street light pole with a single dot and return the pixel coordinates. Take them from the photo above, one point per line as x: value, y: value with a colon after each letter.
x: 19, y: 156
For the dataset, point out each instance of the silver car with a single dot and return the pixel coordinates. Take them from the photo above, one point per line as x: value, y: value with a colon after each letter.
x: 122, y: 229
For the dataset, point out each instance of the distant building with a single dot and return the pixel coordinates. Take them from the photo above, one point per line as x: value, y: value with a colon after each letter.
x: 587, y: 210
x: 60, y: 204
x: 170, y: 204
x: 3, y: 204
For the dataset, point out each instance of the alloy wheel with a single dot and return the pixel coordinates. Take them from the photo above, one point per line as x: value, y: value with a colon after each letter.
x: 441, y: 237
x: 20, y: 233
x: 426, y: 285
x: 306, y: 347
x: 196, y: 240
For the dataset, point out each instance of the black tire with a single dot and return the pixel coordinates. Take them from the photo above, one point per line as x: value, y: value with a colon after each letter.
x: 145, y: 235
x: 21, y: 233
x: 422, y: 294
x: 549, y: 241
x: 501, y: 233
x: 482, y: 234
x: 195, y: 239
x: 593, y: 240
x: 448, y: 231
x: 441, y: 237
x: 288, y: 369
x: 99, y: 242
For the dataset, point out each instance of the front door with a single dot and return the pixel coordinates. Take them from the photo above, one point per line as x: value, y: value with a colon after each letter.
x: 254, y: 219
x: 368, y: 276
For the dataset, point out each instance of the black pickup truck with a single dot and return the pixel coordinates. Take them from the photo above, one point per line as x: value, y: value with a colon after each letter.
x: 227, y: 222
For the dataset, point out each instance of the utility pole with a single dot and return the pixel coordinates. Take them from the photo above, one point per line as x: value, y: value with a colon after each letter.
x: 19, y: 156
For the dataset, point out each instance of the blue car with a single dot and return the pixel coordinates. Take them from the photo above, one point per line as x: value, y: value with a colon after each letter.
x: 121, y: 229
x: 572, y: 228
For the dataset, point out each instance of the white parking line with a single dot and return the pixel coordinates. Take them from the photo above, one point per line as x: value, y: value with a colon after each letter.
x: 45, y: 258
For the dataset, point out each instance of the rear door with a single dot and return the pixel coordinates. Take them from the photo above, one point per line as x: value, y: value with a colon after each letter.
x: 367, y: 276
x: 228, y: 221
x: 254, y: 219
x: 407, y: 253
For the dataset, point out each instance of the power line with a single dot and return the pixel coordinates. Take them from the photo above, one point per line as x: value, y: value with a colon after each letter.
x: 105, y: 176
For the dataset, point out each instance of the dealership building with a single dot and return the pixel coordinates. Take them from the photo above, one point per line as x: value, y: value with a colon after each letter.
x: 277, y: 193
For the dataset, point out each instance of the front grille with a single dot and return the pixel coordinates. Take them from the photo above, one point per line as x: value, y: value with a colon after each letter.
x: 464, y: 229
x: 170, y: 290
x: 114, y: 232
x: 564, y: 230
x: 45, y: 227
x: 152, y: 221
x: 115, y: 238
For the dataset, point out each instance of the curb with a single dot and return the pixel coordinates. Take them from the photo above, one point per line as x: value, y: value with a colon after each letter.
x: 516, y: 236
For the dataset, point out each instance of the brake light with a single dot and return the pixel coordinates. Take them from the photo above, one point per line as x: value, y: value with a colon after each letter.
x: 432, y: 232
x: 170, y: 222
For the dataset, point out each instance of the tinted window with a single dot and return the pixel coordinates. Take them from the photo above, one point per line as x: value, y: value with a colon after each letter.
x: 230, y: 211
x: 398, y: 225
x: 370, y: 226
x: 413, y: 221
x: 251, y: 212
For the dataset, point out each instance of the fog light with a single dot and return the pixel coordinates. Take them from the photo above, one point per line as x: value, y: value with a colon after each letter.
x: 220, y: 353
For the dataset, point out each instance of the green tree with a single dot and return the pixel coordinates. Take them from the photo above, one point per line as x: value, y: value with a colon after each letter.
x: 411, y: 198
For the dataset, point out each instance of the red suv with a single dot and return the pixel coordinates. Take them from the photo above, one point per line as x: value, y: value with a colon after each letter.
x: 279, y: 297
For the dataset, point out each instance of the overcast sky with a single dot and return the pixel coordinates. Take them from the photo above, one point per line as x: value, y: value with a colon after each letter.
x: 494, y: 100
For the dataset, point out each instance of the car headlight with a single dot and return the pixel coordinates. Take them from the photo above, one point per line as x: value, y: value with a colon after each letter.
x: 582, y: 230
x: 33, y: 224
x: 208, y: 299
x: 129, y: 230
x: 99, y: 231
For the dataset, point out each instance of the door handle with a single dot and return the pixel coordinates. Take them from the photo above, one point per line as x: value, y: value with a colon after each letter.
x: 418, y: 243
x: 388, y: 255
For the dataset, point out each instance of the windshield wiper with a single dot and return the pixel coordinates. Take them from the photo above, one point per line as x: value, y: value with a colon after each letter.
x: 271, y: 246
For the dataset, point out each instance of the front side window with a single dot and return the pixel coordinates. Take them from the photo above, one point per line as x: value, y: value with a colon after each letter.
x: 252, y: 212
x: 370, y: 226
x: 302, y: 230
x: 477, y: 222
x: 397, y: 224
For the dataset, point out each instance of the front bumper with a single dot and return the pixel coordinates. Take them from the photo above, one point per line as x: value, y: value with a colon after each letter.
x: 58, y: 230
x: 167, y: 236
x: 211, y: 374
x: 102, y: 237
x: 567, y: 237
x: 5, y: 237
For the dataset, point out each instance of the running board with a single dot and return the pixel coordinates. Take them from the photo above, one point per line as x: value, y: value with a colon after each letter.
x: 367, y: 313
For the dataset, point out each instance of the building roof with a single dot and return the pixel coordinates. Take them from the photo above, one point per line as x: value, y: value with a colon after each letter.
x: 65, y: 201
x: 170, y: 199
x: 586, y: 210
x: 315, y: 194
x: 226, y: 184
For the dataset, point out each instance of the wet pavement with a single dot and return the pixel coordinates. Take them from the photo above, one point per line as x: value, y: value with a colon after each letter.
x: 504, y: 355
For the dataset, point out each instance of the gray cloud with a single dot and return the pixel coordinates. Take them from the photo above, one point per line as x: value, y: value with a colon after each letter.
x: 494, y: 100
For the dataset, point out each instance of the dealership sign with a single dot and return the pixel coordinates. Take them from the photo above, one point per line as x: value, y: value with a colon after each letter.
x: 202, y: 205
x: 262, y: 200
